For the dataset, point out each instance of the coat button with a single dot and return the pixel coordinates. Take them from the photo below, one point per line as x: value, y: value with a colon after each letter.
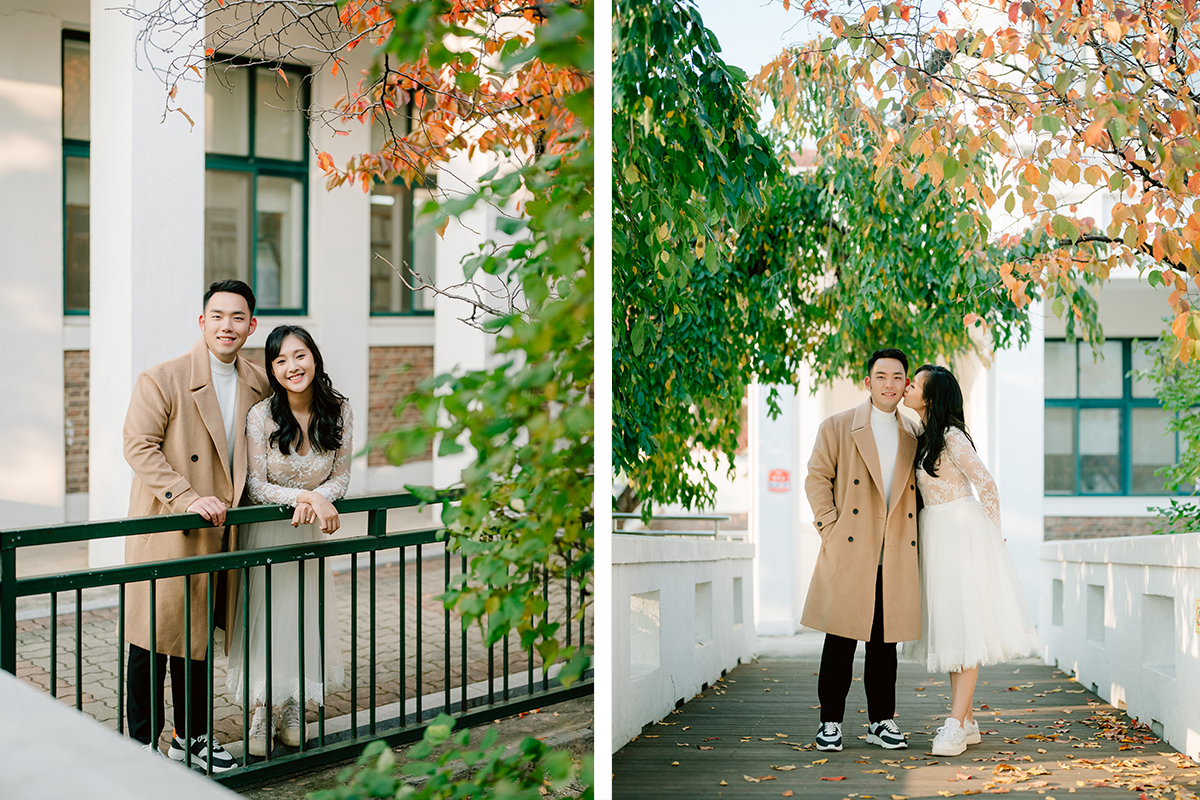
x: 850, y: 538
x: 913, y: 487
x: 195, y: 458
x: 914, y: 544
x: 168, y: 495
x: 856, y: 511
x: 856, y: 481
x: 818, y: 524
x: 910, y: 515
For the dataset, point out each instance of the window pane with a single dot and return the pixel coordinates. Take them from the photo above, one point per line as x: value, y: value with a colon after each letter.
x: 1143, y: 360
x: 77, y: 91
x: 227, y: 111
x: 423, y: 254
x: 226, y: 226
x: 386, y: 214
x: 395, y: 126
x: 1101, y: 377
x: 1153, y: 448
x: 1100, y: 450
x: 278, y: 270
x: 1060, y: 451
x: 1060, y: 370
x: 78, y: 245
x: 278, y: 125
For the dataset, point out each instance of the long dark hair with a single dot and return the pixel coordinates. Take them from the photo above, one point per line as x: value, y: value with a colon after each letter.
x: 325, y: 427
x: 943, y: 410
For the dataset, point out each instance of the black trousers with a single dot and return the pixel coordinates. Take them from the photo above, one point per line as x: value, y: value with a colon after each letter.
x: 879, y: 674
x: 138, y: 695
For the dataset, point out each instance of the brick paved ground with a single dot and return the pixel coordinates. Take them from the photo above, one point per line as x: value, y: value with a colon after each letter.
x: 100, y: 649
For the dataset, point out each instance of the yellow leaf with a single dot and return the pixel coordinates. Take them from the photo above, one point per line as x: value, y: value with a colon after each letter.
x: 837, y: 25
x: 1114, y: 30
x: 441, y: 228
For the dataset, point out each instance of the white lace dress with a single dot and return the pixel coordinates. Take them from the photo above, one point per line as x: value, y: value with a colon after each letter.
x: 276, y: 478
x: 973, y: 610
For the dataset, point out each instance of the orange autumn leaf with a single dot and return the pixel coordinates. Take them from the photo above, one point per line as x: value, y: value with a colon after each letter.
x: 838, y: 778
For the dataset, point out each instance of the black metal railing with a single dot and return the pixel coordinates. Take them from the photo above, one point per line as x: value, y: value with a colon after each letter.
x: 482, y: 694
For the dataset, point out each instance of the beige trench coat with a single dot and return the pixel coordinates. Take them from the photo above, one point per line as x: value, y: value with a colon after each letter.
x: 844, y: 490
x: 175, y: 442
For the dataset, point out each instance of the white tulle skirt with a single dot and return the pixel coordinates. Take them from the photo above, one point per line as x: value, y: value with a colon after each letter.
x: 973, y: 610
x: 285, y: 624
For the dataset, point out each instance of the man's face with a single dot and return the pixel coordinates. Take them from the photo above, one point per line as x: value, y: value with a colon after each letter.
x: 886, y: 384
x: 226, y: 324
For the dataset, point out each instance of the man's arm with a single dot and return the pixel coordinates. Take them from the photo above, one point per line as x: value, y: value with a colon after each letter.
x: 822, y: 467
x: 144, y: 431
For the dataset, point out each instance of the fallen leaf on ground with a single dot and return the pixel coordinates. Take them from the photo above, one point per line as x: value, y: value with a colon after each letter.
x: 702, y: 747
x: 821, y: 761
x: 674, y: 763
x: 838, y: 778
x: 787, y: 768
x: 788, y: 793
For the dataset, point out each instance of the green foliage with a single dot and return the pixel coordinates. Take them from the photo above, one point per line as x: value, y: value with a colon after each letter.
x: 519, y: 776
x: 1177, y: 387
x: 526, y: 502
x: 729, y: 269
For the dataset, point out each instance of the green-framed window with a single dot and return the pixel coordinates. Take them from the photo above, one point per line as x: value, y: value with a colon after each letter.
x: 409, y: 258
x: 76, y: 137
x: 256, y: 182
x: 1106, y: 433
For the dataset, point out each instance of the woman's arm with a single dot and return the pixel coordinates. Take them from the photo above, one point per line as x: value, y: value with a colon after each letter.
x: 262, y: 491
x: 965, y: 458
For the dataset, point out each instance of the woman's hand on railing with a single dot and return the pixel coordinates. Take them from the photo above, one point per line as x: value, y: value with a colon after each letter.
x: 320, y: 508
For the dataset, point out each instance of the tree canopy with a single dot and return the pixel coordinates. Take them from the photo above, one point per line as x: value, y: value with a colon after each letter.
x: 740, y: 254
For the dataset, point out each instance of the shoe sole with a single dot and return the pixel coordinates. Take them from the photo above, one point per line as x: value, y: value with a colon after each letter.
x: 872, y: 739
x: 258, y: 747
x: 826, y: 748
x: 976, y: 739
x: 197, y: 762
x: 290, y: 741
x: 947, y: 752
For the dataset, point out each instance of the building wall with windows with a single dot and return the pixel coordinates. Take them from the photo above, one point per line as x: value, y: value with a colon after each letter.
x: 115, y: 213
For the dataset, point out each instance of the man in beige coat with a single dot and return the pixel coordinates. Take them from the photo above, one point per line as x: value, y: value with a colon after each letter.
x: 185, y: 438
x: 862, y: 488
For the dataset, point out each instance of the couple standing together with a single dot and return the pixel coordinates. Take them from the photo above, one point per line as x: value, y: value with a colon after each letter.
x: 205, y: 432
x: 908, y: 554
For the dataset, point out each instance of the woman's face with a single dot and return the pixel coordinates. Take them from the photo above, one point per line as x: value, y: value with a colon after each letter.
x: 914, y: 396
x: 294, y: 367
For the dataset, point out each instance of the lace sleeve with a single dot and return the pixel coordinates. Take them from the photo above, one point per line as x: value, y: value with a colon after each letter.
x: 334, y: 487
x: 966, y: 459
x: 262, y: 491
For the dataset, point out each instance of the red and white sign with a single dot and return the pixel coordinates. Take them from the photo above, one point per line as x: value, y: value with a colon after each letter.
x: 778, y: 480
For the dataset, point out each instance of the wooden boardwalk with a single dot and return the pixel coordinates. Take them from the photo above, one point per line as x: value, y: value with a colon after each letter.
x: 751, y: 735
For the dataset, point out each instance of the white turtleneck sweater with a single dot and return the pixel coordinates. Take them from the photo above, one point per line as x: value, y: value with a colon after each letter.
x: 225, y: 383
x: 886, y: 430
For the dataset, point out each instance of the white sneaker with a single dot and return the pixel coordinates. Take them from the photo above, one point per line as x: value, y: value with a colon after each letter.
x: 971, y: 732
x: 261, y: 732
x: 950, y: 739
x: 290, y: 723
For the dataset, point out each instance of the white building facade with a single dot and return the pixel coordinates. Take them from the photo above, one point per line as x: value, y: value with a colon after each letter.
x: 116, y: 214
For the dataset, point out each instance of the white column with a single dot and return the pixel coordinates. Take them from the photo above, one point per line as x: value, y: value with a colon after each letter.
x: 33, y: 472
x: 147, y: 236
x: 776, y: 512
x: 458, y: 346
x: 1017, y: 398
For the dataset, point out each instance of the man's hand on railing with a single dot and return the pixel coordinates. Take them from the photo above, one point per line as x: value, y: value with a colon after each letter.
x: 211, y: 508
x: 317, y: 509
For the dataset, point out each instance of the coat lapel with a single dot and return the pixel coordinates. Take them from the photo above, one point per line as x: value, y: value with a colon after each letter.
x: 205, y: 396
x: 247, y: 396
x: 864, y: 440
x: 906, y: 453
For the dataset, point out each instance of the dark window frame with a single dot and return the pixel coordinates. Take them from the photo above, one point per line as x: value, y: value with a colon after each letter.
x: 1124, y: 405
x: 71, y: 148
x: 406, y: 230
x: 256, y: 166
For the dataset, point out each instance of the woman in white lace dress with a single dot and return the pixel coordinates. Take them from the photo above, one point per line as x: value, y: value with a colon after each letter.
x: 973, y: 610
x: 299, y: 447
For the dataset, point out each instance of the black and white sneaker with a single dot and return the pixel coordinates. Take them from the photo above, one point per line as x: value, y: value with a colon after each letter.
x: 829, y: 736
x: 221, y: 760
x: 887, y: 735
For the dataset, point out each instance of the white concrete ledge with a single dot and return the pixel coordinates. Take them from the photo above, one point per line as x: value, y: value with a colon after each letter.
x: 51, y: 751
x: 683, y: 613
x: 1123, y: 614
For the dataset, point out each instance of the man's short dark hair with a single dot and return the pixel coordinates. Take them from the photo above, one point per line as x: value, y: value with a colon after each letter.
x: 238, y: 287
x: 890, y: 352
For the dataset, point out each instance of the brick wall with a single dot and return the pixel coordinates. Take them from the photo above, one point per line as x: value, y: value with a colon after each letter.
x: 1097, y: 527
x: 389, y: 382
x: 75, y: 403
